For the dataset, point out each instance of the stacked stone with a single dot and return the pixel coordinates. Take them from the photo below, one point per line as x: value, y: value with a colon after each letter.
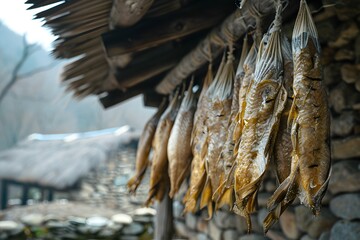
x: 120, y: 226
x: 106, y: 185
x: 338, y: 29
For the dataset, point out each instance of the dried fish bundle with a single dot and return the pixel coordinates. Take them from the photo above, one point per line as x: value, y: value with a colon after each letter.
x: 159, y: 178
x: 283, y: 146
x: 143, y: 149
x: 265, y: 101
x: 179, y: 149
x: 309, y: 121
x: 219, y: 94
x: 199, y: 147
x: 224, y: 194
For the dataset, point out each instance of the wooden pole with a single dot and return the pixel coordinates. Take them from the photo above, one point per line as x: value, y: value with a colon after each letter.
x: 25, y: 194
x: 4, y: 194
x: 233, y: 27
x: 164, y: 218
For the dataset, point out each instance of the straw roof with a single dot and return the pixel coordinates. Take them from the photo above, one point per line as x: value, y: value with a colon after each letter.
x: 124, y: 48
x: 60, y: 160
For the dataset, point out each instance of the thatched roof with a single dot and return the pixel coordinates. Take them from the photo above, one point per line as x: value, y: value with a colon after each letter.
x: 131, y: 47
x: 60, y: 160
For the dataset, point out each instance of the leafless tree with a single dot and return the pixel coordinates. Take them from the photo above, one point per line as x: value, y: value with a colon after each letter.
x: 28, y: 49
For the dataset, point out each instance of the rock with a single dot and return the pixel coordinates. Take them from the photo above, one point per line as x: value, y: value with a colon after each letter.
x: 344, y: 54
x: 143, y: 219
x: 7, y: 226
x: 33, y: 219
x: 346, y: 206
x: 357, y: 85
x: 253, y: 237
x: 202, y: 225
x: 346, y: 148
x: 214, y: 231
x: 344, y: 125
x: 145, y: 212
x: 307, y: 237
x: 180, y: 228
x: 347, y: 9
x: 76, y: 221
x: 178, y: 209
x: 224, y: 219
x: 274, y: 235
x: 303, y: 217
x: 321, y: 223
x: 345, y: 230
x: 202, y: 236
x: 98, y: 222
x: 346, y: 35
x: 240, y: 223
x: 270, y: 185
x: 133, y: 229
x: 357, y: 49
x: 349, y: 73
x: 337, y: 99
x: 122, y: 218
x: 261, y: 215
x: 326, y: 30
x: 230, y: 235
x: 256, y: 227
x: 263, y: 198
x: 345, y: 176
x: 106, y: 233
x: 288, y: 224
x: 57, y: 225
x: 332, y: 76
x: 325, y: 236
x: 190, y: 220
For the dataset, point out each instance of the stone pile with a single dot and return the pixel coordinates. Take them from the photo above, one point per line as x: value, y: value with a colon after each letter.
x: 339, y: 29
x: 42, y: 227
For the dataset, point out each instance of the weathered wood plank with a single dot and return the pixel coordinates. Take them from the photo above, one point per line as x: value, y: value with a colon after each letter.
x: 154, y: 32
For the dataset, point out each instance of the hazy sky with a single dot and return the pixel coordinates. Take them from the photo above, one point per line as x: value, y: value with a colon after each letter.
x: 13, y: 13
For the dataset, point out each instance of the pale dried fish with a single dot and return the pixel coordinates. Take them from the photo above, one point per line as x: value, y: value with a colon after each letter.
x: 143, y: 149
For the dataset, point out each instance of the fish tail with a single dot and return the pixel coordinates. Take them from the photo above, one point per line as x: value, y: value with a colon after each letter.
x: 272, y: 217
x: 227, y: 198
x: 176, y: 183
x: 279, y: 194
x: 206, y: 200
x: 135, y: 181
x: 193, y: 194
x: 319, y: 195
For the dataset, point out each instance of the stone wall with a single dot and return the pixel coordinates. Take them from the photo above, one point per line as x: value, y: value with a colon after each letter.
x: 340, y: 216
x: 106, y: 185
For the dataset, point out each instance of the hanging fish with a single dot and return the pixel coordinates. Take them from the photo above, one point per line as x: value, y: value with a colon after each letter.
x: 283, y: 145
x: 223, y: 194
x: 199, y: 147
x: 265, y: 101
x: 179, y: 149
x: 159, y: 168
x: 143, y: 149
x: 309, y: 120
x: 219, y: 94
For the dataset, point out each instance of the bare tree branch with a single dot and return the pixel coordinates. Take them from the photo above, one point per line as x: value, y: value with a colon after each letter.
x: 38, y: 70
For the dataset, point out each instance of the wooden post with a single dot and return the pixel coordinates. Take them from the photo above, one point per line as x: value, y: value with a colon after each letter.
x: 164, y: 219
x: 4, y: 194
x: 50, y: 196
x: 25, y: 194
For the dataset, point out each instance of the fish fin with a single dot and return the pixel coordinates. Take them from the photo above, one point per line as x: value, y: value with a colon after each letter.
x: 279, y: 194
x: 192, y: 198
x: 135, y: 181
x: 319, y: 195
x: 272, y: 217
x: 206, y: 194
x: 227, y: 198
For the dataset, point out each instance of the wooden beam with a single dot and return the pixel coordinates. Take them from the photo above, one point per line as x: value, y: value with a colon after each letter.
x: 125, y: 13
x: 237, y: 24
x: 152, y: 99
x: 157, y: 31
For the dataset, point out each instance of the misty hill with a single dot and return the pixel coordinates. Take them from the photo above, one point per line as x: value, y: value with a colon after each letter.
x: 38, y: 102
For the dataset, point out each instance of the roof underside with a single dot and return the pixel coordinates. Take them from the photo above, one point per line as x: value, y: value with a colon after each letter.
x: 124, y: 48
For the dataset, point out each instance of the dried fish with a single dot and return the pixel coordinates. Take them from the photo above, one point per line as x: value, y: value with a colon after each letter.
x: 283, y: 145
x: 199, y: 147
x: 159, y: 168
x: 224, y: 194
x: 143, y: 149
x: 309, y: 121
x: 265, y: 102
x: 179, y: 149
x: 219, y: 94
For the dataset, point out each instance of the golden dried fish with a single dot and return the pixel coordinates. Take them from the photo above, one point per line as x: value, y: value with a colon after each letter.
x: 179, y: 149
x: 199, y: 147
x: 309, y: 121
x: 159, y: 167
x: 283, y: 145
x: 265, y: 102
x: 143, y: 149
x: 219, y: 93
x: 223, y: 194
